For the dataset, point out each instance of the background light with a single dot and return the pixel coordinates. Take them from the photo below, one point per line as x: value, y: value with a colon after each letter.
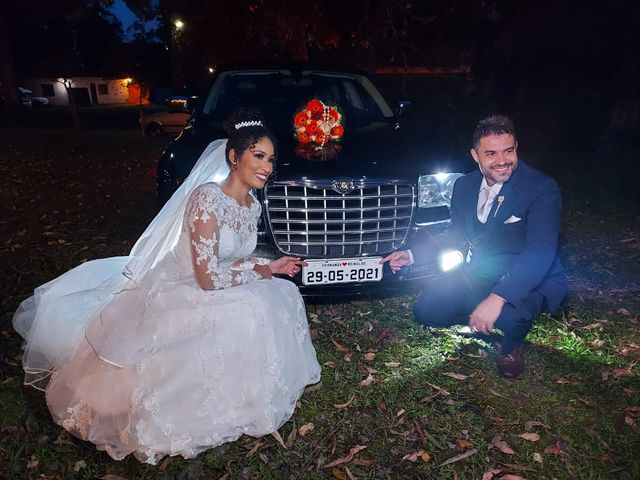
x: 179, y: 24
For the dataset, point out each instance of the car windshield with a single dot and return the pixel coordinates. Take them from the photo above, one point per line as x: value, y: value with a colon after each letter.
x: 280, y: 93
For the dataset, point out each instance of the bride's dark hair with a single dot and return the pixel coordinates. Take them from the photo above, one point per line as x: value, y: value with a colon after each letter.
x: 246, y: 127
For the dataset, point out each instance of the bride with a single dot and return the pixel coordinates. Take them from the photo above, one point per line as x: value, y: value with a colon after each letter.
x: 188, y: 342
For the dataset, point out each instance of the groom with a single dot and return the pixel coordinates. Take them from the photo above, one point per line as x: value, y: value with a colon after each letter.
x: 508, y: 216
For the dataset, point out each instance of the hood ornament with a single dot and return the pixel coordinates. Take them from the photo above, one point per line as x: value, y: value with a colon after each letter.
x: 343, y: 186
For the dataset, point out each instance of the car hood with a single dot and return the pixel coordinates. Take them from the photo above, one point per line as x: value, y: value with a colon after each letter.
x: 375, y: 151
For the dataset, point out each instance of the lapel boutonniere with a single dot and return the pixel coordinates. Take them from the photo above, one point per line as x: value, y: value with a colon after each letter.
x: 500, y: 202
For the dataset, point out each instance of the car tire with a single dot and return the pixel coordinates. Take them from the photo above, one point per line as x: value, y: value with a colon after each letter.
x: 154, y: 130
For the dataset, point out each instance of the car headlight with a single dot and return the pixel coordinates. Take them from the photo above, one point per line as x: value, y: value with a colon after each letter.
x: 450, y: 260
x: 435, y: 190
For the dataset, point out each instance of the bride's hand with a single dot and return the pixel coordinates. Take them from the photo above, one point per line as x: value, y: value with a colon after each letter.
x: 263, y: 270
x: 287, y: 265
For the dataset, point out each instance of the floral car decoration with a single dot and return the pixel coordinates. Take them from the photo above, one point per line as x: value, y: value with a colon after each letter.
x: 317, y: 126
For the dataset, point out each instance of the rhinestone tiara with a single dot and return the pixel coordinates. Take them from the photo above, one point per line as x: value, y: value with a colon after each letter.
x: 250, y: 123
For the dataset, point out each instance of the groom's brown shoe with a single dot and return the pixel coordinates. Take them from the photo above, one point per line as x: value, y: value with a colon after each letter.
x: 512, y: 364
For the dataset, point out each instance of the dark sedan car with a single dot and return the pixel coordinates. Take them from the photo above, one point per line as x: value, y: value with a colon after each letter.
x: 341, y: 209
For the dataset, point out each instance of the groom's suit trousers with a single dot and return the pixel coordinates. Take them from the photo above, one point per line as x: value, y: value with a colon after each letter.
x: 449, y: 300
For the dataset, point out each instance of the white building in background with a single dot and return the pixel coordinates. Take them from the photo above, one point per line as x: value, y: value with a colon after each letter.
x: 86, y: 90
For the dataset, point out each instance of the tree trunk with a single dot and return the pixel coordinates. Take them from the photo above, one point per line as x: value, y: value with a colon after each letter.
x: 7, y: 70
x: 74, y: 109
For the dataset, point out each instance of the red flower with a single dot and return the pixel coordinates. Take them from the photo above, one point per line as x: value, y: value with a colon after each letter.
x: 312, y: 128
x: 301, y: 119
x: 337, y: 131
x: 334, y: 115
x: 303, y: 137
x: 316, y: 116
x: 315, y: 106
x: 321, y: 138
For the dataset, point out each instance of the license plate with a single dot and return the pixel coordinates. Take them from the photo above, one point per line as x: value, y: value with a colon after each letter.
x: 342, y: 270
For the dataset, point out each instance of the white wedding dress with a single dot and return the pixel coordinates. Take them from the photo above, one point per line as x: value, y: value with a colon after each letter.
x: 161, y: 366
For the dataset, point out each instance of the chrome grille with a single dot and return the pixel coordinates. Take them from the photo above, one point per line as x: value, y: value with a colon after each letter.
x: 316, y: 221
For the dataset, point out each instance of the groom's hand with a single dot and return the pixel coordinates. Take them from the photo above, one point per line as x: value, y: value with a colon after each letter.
x: 397, y: 260
x: 486, y: 313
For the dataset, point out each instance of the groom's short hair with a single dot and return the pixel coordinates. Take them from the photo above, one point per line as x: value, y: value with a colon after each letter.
x: 495, y: 124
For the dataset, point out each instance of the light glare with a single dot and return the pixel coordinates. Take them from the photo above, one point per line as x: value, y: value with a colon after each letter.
x: 450, y: 260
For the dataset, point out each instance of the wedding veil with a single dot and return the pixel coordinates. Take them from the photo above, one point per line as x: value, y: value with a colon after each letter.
x: 163, y: 232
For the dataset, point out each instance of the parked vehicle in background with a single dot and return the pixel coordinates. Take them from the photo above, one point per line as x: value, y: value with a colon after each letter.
x: 171, y: 121
x: 29, y: 100
x: 341, y: 208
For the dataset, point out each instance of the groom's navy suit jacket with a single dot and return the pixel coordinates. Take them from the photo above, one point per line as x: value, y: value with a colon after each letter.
x: 519, y: 256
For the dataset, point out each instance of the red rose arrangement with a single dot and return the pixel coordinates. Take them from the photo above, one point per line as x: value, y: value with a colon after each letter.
x: 318, y: 124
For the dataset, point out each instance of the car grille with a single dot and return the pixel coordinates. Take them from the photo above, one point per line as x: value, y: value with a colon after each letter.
x: 320, y: 222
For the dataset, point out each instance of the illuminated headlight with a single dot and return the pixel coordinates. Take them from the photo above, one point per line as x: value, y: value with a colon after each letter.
x: 435, y: 190
x: 450, y: 260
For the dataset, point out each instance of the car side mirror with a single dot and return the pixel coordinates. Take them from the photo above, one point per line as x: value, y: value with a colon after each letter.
x: 403, y: 107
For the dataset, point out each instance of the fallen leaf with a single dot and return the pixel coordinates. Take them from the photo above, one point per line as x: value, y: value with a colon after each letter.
x: 537, y: 457
x: 632, y: 409
x: 534, y: 423
x: 347, y: 357
x: 400, y: 412
x: 512, y: 477
x: 555, y: 449
x: 339, y: 346
x: 457, y: 458
x: 530, y: 437
x: 622, y: 372
x: 464, y: 443
x: 392, y: 364
x: 347, y: 458
x: 413, y: 457
x: 306, y: 428
x: 592, y: 326
x: 254, y: 449
x: 345, y: 405
x: 278, y: 438
x: 630, y: 421
x: 489, y: 474
x: 337, y: 473
x: 502, y: 445
x: 457, y: 376
x: 349, y: 474
x: 369, y: 357
x: 367, y: 381
x: 624, y: 311
x: 33, y: 463
x: 382, y: 335
x: 564, y: 381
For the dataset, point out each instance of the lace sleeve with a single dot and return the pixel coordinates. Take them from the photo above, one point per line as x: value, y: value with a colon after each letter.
x: 248, y: 263
x: 210, y: 273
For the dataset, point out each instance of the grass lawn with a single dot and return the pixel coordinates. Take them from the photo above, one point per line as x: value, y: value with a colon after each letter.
x: 406, y: 402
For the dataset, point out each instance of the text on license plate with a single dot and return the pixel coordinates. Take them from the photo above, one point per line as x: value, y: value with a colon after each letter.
x: 342, y: 270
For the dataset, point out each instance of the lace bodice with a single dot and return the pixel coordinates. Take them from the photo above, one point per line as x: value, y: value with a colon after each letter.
x: 222, y: 236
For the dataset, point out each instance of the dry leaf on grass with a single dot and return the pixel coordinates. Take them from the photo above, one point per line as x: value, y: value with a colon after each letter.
x: 457, y: 458
x: 339, y: 346
x: 367, y: 381
x: 534, y: 423
x: 80, y: 464
x: 349, y: 474
x: 254, y: 449
x: 464, y: 443
x: 369, y: 357
x: 457, y: 376
x: 622, y: 372
x: 413, y: 457
x: 556, y: 449
x: 392, y: 364
x: 345, y: 405
x: 511, y: 477
x: 489, y: 474
x: 347, y: 458
x: 502, y: 445
x: 537, y: 457
x: 279, y: 439
x: 339, y: 474
x: 530, y: 437
x: 306, y: 428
